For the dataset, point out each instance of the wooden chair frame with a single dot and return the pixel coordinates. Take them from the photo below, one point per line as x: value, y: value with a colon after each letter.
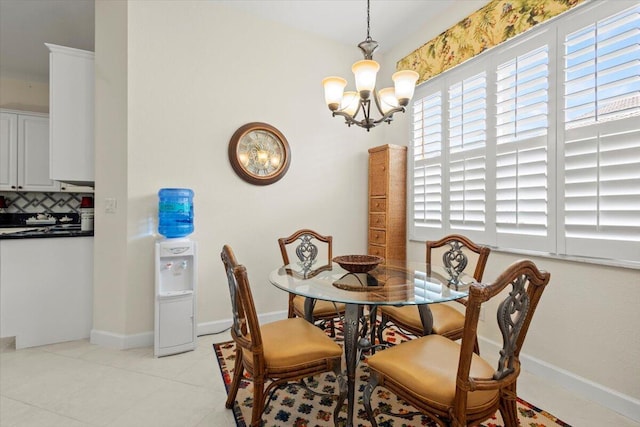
x: 456, y: 261
x: 514, y: 316
x: 246, y: 333
x: 306, y: 256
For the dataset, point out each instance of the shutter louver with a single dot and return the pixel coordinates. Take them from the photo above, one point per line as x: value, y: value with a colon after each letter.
x: 467, y: 153
x: 602, y: 70
x: 601, y: 188
x: 522, y: 97
x: 427, y: 161
x: 521, y: 192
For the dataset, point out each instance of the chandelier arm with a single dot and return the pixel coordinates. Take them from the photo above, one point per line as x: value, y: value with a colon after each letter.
x: 349, y: 120
x: 366, y: 109
x: 389, y: 116
x: 347, y: 117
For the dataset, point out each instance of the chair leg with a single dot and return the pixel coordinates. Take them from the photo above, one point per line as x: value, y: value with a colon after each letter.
x: 508, y: 407
x: 476, y: 347
x: 258, y: 402
x: 238, y: 371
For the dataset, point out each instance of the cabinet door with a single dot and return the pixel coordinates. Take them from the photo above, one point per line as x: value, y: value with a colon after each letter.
x: 33, y: 154
x: 176, y: 321
x: 8, y: 152
x: 71, y: 107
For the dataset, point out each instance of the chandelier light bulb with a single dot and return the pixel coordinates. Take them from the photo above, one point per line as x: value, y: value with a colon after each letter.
x: 365, y: 72
x: 350, y: 103
x: 388, y: 100
x: 405, y: 85
x: 333, y: 90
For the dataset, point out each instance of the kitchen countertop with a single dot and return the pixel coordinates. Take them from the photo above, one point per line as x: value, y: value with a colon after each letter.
x: 42, y: 232
x: 43, y: 225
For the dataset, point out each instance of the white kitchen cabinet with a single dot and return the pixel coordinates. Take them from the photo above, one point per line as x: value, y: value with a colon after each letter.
x: 70, y: 188
x: 71, y: 108
x: 24, y: 152
x: 53, y: 302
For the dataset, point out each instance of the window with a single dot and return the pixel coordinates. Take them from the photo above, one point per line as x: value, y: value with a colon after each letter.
x: 535, y: 145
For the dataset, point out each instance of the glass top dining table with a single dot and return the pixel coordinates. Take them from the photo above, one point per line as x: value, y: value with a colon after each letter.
x: 396, y: 283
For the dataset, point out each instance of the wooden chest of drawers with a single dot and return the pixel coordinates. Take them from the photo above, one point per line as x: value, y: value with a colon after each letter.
x: 387, y: 202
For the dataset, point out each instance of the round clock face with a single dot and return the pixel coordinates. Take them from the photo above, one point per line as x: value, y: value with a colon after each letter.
x: 259, y: 153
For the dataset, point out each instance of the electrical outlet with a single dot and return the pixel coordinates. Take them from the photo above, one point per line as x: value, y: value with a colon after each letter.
x: 110, y: 205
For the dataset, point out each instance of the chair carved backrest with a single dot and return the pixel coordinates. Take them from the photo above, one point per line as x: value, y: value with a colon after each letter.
x: 245, y: 330
x: 512, y: 313
x: 514, y: 317
x: 456, y: 251
x: 306, y: 248
x: 307, y: 253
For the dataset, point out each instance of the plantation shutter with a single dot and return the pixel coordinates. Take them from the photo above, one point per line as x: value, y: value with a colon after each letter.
x: 522, y: 155
x: 602, y: 138
x: 427, y: 161
x: 467, y: 138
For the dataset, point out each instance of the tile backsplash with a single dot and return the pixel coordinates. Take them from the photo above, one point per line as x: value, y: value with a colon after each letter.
x: 34, y: 202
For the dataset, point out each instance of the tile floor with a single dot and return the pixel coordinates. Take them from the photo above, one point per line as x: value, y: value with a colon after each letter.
x: 78, y: 384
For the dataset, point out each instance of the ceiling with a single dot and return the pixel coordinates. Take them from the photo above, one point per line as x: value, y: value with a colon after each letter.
x: 25, y: 25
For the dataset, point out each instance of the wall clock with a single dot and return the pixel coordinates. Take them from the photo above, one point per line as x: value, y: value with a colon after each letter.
x: 259, y: 153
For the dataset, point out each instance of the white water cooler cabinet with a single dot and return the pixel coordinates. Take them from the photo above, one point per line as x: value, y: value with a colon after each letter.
x: 175, y: 308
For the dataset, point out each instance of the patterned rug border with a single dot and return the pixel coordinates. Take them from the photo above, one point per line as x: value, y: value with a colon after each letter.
x: 240, y: 422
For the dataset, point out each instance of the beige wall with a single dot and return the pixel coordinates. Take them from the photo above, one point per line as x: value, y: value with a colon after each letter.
x: 587, y: 320
x: 111, y: 241
x: 24, y: 95
x: 174, y: 80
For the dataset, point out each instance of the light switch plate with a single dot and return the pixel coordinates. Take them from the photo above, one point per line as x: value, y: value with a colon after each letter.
x: 110, y: 205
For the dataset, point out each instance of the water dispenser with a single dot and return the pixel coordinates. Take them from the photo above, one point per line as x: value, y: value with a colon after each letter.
x: 175, y: 308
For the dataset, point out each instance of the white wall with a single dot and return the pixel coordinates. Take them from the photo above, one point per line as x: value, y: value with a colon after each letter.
x: 586, y: 323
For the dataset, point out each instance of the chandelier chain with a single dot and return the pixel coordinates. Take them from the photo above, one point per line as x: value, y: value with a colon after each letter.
x: 368, y: 26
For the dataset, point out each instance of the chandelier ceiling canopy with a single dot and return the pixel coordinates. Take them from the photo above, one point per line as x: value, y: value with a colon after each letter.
x: 388, y: 101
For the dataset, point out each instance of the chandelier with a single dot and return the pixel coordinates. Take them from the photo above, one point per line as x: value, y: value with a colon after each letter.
x: 388, y: 101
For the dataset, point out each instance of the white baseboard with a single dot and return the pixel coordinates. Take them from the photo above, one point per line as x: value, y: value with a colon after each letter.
x: 120, y: 341
x: 612, y: 399
x: 146, y: 339
x: 218, y: 326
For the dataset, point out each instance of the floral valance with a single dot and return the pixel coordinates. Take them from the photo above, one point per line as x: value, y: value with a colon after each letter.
x: 491, y: 25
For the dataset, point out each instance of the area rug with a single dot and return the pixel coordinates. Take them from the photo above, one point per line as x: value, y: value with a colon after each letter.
x: 294, y: 406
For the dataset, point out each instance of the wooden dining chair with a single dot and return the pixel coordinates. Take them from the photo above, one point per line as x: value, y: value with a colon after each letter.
x: 303, y: 248
x: 445, y: 379
x: 280, y: 352
x: 457, y: 254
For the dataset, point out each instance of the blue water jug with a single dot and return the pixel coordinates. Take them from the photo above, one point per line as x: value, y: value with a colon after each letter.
x: 175, y: 212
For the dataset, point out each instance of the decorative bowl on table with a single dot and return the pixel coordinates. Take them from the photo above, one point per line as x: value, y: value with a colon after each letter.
x: 358, y: 263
